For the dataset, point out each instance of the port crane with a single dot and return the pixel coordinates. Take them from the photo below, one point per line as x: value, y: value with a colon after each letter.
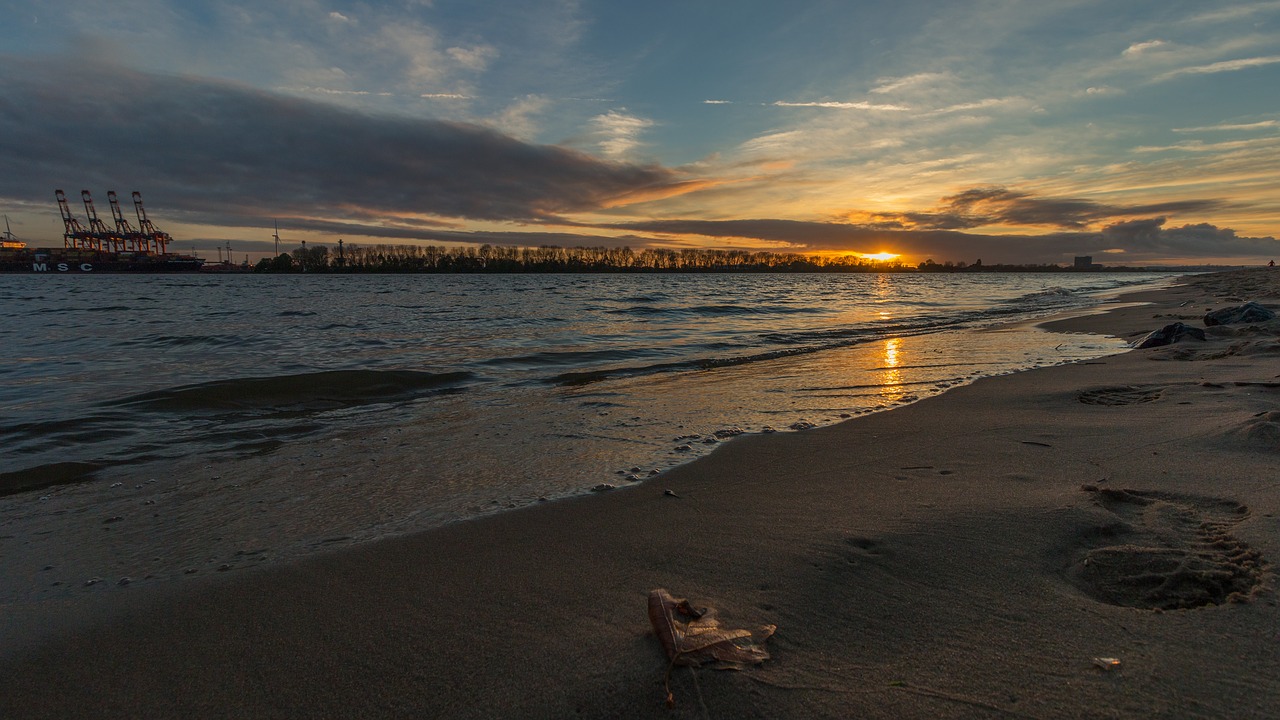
x: 74, y: 235
x: 147, y: 239
x: 160, y: 240
x: 107, y: 239
x: 134, y: 240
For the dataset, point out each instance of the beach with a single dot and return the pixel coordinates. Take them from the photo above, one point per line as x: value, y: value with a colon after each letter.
x: 1089, y: 540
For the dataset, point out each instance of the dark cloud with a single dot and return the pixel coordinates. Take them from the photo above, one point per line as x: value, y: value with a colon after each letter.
x: 988, y: 206
x: 1135, y: 241
x: 199, y: 145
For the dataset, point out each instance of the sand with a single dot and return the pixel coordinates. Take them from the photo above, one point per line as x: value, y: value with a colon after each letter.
x: 977, y: 554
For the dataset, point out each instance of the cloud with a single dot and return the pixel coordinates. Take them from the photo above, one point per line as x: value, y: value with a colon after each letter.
x: 717, y: 102
x: 841, y: 105
x: 993, y: 206
x: 1143, y: 47
x: 1237, y: 126
x: 201, y: 144
x: 517, y: 119
x: 618, y: 132
x: 474, y: 58
x: 1139, y: 241
x: 1220, y: 67
x: 1197, y: 146
x: 1237, y: 12
x: 888, y: 85
x: 983, y: 104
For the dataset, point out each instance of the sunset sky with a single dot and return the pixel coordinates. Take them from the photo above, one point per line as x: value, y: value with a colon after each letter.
x: 1136, y: 131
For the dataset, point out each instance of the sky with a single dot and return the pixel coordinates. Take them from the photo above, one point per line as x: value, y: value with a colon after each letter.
x: 1135, y: 131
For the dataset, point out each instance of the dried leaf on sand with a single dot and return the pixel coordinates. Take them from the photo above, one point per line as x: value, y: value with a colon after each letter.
x: 693, y: 636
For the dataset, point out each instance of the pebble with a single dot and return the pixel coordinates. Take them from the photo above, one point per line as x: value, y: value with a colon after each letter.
x: 44, y: 498
x: 224, y: 567
x: 632, y: 478
x: 729, y: 432
x: 710, y: 441
x: 684, y: 448
x: 189, y: 571
x: 768, y: 429
x: 124, y: 581
x: 92, y: 581
x: 654, y: 472
x: 803, y: 425
x: 116, y: 484
x: 670, y: 493
x: 602, y: 487
x: 113, y: 518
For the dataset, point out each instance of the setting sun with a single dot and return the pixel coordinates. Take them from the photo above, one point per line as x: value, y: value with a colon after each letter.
x: 880, y: 256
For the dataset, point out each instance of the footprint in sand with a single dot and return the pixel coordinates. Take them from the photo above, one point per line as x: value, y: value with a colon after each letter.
x: 1128, y: 395
x: 1167, y: 551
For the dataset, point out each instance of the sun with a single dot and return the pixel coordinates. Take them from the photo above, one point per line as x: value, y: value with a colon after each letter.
x: 880, y: 256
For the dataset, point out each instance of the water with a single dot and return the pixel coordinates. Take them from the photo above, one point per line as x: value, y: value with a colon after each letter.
x: 298, y: 409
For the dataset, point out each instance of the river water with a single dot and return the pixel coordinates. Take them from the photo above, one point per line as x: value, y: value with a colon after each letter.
x: 271, y: 415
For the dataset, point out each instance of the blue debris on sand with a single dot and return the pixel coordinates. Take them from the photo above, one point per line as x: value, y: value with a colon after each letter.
x: 1169, y: 334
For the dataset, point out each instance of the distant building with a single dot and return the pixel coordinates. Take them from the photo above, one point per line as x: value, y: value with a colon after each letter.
x: 1085, y: 262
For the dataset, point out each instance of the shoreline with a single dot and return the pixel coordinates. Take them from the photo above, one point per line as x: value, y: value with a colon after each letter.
x: 923, y: 562
x: 458, y: 456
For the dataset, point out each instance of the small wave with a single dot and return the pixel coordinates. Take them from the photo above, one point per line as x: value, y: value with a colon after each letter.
x: 841, y: 336
x: 576, y: 357
x: 43, y: 476
x: 715, y: 310
x: 1047, y: 298
x: 295, y: 313
x: 163, y: 341
x: 589, y: 376
x: 307, y: 392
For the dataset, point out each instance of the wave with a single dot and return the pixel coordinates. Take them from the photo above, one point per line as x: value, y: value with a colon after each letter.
x: 174, y: 341
x: 43, y: 476
x: 307, y: 392
x: 573, y: 357
x: 585, y: 377
x: 715, y: 310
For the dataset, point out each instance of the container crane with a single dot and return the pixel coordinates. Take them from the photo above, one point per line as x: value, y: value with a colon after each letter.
x: 107, y: 239
x: 158, y: 240
x: 74, y: 236
x: 134, y: 241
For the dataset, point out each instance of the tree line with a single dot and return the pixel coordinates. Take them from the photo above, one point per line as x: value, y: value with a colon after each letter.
x: 350, y: 258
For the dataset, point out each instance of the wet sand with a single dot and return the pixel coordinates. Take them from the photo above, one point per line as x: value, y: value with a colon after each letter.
x: 977, y: 554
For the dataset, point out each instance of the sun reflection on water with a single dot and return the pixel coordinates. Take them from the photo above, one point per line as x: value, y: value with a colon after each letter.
x: 890, y: 376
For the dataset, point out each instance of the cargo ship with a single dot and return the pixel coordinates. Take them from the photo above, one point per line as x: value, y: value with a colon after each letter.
x: 98, y: 248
